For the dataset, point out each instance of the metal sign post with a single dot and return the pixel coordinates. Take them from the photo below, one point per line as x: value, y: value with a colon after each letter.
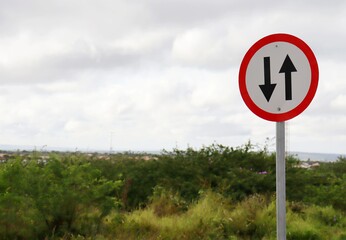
x: 280, y: 182
x: 278, y: 79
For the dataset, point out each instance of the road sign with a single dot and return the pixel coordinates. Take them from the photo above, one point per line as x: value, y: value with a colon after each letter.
x: 278, y: 77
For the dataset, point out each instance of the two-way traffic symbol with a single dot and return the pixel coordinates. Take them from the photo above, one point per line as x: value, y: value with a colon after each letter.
x: 278, y: 77
x: 268, y: 87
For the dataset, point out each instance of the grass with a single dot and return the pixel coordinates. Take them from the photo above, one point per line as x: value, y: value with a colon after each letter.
x: 214, y: 217
x: 203, y: 220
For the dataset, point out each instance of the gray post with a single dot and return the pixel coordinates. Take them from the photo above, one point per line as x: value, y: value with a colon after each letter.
x: 280, y: 182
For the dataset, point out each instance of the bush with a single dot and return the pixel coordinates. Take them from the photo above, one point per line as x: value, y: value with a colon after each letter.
x: 253, y: 217
x: 62, y: 196
x: 216, y: 192
x: 315, y: 222
x: 302, y: 230
x: 204, y: 220
x: 165, y: 202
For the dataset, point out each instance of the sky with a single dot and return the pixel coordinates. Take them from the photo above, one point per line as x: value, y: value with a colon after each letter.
x: 153, y: 74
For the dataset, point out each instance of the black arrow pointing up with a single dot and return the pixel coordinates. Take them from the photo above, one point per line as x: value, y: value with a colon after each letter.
x: 267, y: 88
x: 287, y: 68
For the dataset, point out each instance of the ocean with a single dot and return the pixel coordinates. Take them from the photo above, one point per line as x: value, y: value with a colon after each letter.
x: 303, y: 156
x: 321, y: 157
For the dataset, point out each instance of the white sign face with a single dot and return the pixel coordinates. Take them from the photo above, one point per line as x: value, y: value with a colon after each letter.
x: 281, y: 91
x: 278, y: 77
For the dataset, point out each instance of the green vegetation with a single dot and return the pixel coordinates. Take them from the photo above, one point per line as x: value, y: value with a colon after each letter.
x: 216, y: 192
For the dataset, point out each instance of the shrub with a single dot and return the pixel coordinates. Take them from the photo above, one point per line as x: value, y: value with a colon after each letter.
x: 299, y: 228
x: 204, y: 220
x: 165, y: 202
x: 62, y: 196
x: 324, y: 215
x: 253, y: 217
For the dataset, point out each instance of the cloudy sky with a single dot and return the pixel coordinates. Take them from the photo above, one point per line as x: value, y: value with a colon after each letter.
x: 159, y: 74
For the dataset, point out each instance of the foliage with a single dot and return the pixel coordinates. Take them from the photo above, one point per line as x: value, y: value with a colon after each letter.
x: 234, y: 172
x: 50, y: 199
x: 215, y: 217
x: 203, y: 220
x: 216, y: 192
x: 165, y: 202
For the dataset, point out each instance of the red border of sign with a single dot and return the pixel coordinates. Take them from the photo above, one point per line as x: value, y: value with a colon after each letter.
x: 279, y: 37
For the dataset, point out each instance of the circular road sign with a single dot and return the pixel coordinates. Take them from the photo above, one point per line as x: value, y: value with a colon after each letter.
x: 278, y: 77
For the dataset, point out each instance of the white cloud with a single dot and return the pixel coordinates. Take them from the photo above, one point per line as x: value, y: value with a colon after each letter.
x: 157, y: 73
x: 339, y: 103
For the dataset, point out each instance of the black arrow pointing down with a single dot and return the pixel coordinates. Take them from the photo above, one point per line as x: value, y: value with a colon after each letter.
x: 267, y: 88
